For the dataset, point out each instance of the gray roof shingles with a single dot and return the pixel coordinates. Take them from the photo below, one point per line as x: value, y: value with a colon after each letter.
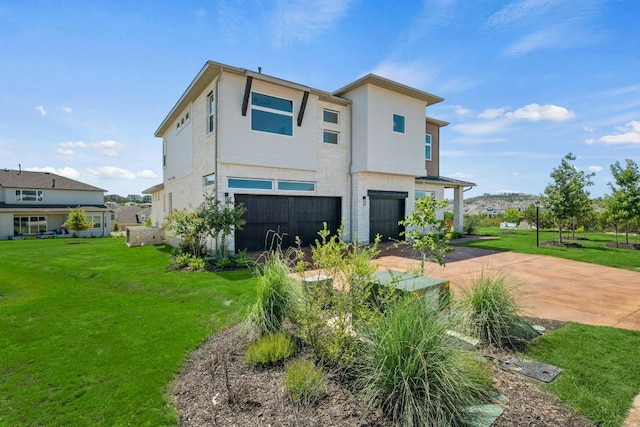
x: 41, y: 180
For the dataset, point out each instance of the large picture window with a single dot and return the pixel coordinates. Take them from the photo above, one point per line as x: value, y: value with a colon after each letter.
x: 29, y: 225
x: 271, y: 114
x: 427, y: 147
x: 29, y: 195
x: 96, y: 220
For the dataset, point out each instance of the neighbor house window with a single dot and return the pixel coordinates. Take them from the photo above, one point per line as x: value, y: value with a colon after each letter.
x: 296, y: 186
x: 427, y: 147
x: 29, y: 195
x: 95, y: 220
x: 209, y: 179
x: 329, y: 137
x: 271, y: 114
x: 398, y: 123
x: 331, y: 116
x: 255, y: 184
x: 423, y: 194
x: 29, y: 225
x: 212, y: 111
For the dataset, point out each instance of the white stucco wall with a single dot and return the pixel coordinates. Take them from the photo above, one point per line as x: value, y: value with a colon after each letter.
x: 52, y: 196
x: 377, y: 148
x: 6, y: 225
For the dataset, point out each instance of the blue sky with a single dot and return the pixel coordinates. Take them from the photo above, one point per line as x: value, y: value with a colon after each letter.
x: 84, y: 84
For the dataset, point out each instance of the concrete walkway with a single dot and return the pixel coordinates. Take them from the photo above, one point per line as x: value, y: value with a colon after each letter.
x: 551, y: 288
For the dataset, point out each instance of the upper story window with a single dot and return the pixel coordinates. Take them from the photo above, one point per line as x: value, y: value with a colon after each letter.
x: 211, y: 112
x: 329, y: 137
x: 184, y: 120
x: 164, y: 152
x: 271, y: 114
x: 427, y: 147
x: 255, y: 184
x: 329, y: 116
x: 29, y: 195
x: 423, y: 194
x: 398, y: 123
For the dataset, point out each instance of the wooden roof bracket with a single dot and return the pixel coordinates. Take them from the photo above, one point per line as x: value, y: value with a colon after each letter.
x: 303, y: 106
x: 247, y: 92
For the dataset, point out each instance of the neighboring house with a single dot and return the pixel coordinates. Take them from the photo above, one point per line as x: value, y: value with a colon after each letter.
x: 38, y: 203
x: 296, y: 156
x: 131, y: 216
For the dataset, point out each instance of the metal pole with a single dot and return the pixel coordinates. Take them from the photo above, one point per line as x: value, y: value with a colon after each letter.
x: 537, y: 226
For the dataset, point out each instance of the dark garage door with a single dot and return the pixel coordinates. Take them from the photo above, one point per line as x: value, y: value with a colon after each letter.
x: 385, y: 210
x: 289, y: 216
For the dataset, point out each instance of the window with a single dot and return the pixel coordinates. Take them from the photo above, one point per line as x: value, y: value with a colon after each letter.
x: 212, y: 111
x: 427, y: 147
x: 331, y: 116
x: 164, y: 153
x: 29, y: 225
x: 271, y: 114
x: 329, y: 137
x: 398, y: 123
x: 256, y: 184
x: 209, y: 179
x: 29, y: 195
x: 423, y: 194
x: 170, y: 202
x: 95, y: 220
x: 182, y: 122
x: 296, y: 186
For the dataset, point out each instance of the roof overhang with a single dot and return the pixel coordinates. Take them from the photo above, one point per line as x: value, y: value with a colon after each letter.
x: 437, y: 122
x: 373, y: 79
x: 154, y: 189
x: 445, y: 182
x: 62, y: 209
x: 210, y: 73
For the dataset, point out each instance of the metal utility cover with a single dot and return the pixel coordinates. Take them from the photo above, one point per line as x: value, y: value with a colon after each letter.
x: 531, y: 368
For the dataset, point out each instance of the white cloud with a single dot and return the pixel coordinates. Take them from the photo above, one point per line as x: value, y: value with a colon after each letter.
x: 630, y: 134
x: 41, y: 110
x: 481, y: 128
x: 589, y: 141
x: 303, y: 20
x: 462, y: 175
x: 146, y: 174
x: 535, y: 112
x: 67, y: 110
x: 461, y: 111
x: 589, y: 129
x: 66, y: 171
x: 111, y: 172
x: 107, y: 148
x: 78, y: 144
x: 65, y: 152
x: 492, y: 113
x: 415, y: 74
x: 594, y: 168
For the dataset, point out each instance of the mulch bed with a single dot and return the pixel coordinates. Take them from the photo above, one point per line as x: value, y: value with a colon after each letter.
x: 217, y: 388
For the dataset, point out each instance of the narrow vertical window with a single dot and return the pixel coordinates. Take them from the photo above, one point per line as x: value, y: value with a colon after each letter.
x: 427, y: 147
x: 212, y: 112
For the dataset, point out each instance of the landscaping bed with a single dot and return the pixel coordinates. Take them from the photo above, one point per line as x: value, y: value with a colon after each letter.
x: 217, y: 387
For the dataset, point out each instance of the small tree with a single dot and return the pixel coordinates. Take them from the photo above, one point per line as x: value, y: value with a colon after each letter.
x: 425, y: 232
x: 567, y: 198
x: 77, y: 221
x: 624, y: 202
x: 513, y: 215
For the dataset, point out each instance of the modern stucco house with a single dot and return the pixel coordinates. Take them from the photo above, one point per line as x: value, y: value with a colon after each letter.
x: 37, y: 203
x: 296, y: 156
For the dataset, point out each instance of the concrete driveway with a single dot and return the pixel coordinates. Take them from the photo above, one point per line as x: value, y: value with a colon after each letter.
x: 550, y: 287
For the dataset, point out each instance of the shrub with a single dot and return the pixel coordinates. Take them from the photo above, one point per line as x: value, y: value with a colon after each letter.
x: 489, y: 311
x: 224, y: 262
x: 304, y: 381
x: 241, y: 259
x: 276, y: 294
x: 408, y: 367
x: 185, y: 260
x: 270, y: 348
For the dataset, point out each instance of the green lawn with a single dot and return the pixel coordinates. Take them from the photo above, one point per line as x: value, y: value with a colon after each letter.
x: 92, y: 333
x: 594, y: 251
x: 601, y: 375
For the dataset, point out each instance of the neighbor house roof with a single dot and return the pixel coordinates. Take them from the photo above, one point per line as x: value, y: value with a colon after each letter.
x: 446, y: 181
x: 41, y: 180
x: 155, y: 188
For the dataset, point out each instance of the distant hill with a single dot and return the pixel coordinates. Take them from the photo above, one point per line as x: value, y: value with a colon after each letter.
x: 502, y: 199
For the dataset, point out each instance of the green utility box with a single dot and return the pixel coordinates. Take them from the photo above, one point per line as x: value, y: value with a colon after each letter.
x: 433, y: 288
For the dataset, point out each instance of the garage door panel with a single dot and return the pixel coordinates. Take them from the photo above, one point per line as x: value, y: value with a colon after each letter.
x: 384, y: 214
x: 290, y: 216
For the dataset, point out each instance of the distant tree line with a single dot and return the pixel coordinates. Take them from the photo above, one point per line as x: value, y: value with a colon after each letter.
x: 566, y: 204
